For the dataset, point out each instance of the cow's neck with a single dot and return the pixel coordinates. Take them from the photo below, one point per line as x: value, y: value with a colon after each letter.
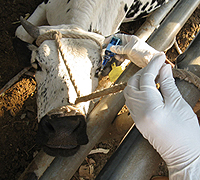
x: 104, y: 16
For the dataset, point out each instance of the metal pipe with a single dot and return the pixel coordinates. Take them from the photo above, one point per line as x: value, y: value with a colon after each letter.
x: 178, y: 17
x: 37, y: 167
x: 146, y: 29
x: 153, y: 21
x: 134, y: 159
x: 190, y: 60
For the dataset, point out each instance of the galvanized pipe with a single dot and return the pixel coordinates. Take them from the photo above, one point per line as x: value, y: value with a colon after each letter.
x: 171, y: 26
x: 134, y: 159
x: 190, y: 60
x: 153, y: 21
x: 37, y: 167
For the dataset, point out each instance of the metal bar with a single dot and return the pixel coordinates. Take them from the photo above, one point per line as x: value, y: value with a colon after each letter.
x: 153, y: 21
x: 190, y: 60
x: 171, y: 26
x: 134, y: 159
x: 37, y: 167
x: 98, y: 121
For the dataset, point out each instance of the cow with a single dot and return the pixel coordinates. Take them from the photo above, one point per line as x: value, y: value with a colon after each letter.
x: 62, y: 126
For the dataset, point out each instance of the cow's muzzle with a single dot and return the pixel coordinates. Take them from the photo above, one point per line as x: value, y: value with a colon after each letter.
x: 62, y: 135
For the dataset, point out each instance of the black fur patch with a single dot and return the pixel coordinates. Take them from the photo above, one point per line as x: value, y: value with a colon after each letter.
x: 46, y: 1
x: 68, y: 10
x: 90, y: 29
x: 153, y: 1
x: 159, y: 2
x: 125, y: 7
x: 68, y: 1
x: 144, y: 7
x: 134, y: 9
x: 150, y: 9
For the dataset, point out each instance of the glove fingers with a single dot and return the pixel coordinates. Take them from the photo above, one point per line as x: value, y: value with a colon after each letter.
x: 136, y: 100
x: 128, y: 43
x: 130, y: 92
x: 118, y: 49
x: 125, y: 38
x: 151, y: 71
x: 142, y: 104
x: 168, y: 87
x: 120, y: 57
x: 134, y: 81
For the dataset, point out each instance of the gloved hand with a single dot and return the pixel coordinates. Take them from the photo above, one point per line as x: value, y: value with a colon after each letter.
x: 165, y: 119
x: 134, y: 49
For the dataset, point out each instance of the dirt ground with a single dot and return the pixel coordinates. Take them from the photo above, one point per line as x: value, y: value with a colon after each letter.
x: 18, y: 122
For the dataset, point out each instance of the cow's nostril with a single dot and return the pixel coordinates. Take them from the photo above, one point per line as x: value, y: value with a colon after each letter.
x: 77, y: 127
x: 49, y: 127
x: 62, y: 133
x: 46, y: 126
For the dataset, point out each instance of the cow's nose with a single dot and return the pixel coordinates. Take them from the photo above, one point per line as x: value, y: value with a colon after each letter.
x: 62, y: 132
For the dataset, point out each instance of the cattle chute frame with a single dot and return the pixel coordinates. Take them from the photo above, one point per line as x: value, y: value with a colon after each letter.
x: 65, y: 167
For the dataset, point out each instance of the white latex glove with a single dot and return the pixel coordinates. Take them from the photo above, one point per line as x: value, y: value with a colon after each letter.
x: 165, y: 119
x: 134, y: 49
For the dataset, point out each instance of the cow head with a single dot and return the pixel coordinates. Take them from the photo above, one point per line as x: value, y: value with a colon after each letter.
x: 62, y: 126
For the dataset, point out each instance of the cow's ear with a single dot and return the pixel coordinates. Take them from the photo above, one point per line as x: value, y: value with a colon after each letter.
x: 23, y: 51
